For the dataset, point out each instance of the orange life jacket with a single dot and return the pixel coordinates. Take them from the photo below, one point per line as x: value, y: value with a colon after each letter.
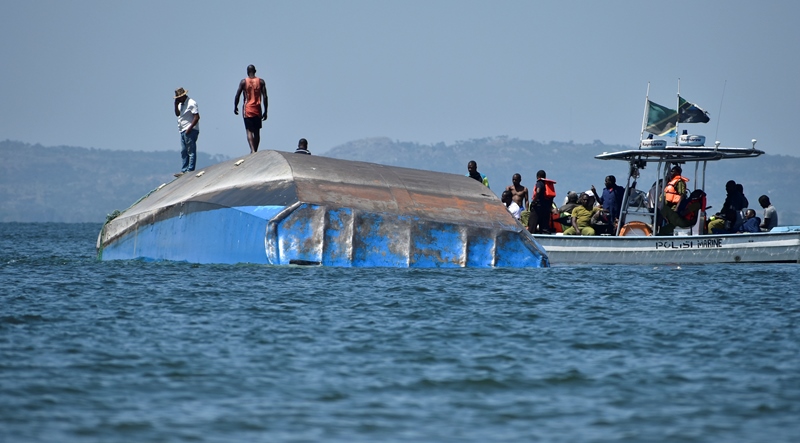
x: 671, y: 194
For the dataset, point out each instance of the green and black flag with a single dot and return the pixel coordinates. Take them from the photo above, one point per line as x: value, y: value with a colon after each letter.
x: 660, y: 120
x: 690, y: 112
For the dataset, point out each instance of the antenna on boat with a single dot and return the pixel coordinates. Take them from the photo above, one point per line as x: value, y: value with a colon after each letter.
x: 644, y: 116
x: 678, y: 119
x: 719, y: 115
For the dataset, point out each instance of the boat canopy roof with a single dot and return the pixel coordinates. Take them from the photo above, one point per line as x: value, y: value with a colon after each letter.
x: 681, y: 154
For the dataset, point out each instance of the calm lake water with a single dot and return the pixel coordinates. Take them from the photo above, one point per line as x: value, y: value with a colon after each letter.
x: 172, y: 352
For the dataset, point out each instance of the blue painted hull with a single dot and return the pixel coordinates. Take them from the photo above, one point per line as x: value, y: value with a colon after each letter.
x: 284, y: 209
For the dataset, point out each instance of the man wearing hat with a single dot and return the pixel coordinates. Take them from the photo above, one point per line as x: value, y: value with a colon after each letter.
x: 188, y: 123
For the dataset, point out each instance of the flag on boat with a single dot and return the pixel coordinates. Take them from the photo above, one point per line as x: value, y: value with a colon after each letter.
x: 690, y: 112
x: 660, y: 119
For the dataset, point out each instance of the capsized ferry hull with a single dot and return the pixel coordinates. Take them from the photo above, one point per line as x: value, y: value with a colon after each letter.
x: 765, y: 247
x: 282, y: 208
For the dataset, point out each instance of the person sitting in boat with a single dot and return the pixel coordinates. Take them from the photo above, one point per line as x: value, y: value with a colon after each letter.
x: 611, y: 198
x: 751, y: 222
x: 740, y: 192
x: 511, y: 205
x: 770, y: 214
x: 582, y: 216
x: 730, y: 217
x: 565, y: 211
x: 570, y: 202
x: 674, y: 194
x: 601, y: 222
x: 741, y: 206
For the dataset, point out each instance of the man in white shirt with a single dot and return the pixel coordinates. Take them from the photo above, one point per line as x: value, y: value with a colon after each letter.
x: 511, y: 205
x: 188, y: 124
x: 770, y: 214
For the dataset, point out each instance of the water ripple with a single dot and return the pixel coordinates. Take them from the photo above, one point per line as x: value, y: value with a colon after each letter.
x: 141, y: 351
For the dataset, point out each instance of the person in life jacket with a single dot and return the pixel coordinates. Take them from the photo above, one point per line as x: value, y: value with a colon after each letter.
x: 541, y: 205
x: 676, y: 187
x: 674, y: 193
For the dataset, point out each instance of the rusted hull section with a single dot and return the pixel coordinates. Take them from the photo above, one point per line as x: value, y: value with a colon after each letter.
x: 280, y: 208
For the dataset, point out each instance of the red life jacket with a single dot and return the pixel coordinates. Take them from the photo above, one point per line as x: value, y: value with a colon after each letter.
x: 549, y: 188
x: 555, y: 226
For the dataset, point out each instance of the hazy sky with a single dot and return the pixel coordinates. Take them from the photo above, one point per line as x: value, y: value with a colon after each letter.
x: 102, y: 73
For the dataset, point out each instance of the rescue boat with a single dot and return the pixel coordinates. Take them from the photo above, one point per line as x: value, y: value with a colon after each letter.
x: 636, y: 239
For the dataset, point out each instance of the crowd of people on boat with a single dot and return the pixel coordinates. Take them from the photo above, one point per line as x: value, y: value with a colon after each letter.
x: 593, y: 213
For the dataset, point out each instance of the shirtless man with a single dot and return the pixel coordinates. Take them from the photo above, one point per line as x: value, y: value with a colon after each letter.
x: 519, y: 193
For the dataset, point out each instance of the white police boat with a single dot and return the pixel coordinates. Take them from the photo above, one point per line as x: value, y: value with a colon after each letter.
x: 636, y: 240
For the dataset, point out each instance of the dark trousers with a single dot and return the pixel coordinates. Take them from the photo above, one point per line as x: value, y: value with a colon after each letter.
x: 539, y: 220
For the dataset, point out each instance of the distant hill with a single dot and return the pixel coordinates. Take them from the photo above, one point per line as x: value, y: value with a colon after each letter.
x: 73, y: 184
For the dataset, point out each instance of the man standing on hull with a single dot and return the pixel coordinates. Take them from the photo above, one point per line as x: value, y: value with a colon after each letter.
x: 189, y: 126
x: 255, y: 92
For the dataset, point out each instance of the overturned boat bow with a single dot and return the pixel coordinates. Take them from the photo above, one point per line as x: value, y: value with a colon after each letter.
x: 279, y: 208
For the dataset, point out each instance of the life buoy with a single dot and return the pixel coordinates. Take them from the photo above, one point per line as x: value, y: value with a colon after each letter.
x: 635, y: 229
